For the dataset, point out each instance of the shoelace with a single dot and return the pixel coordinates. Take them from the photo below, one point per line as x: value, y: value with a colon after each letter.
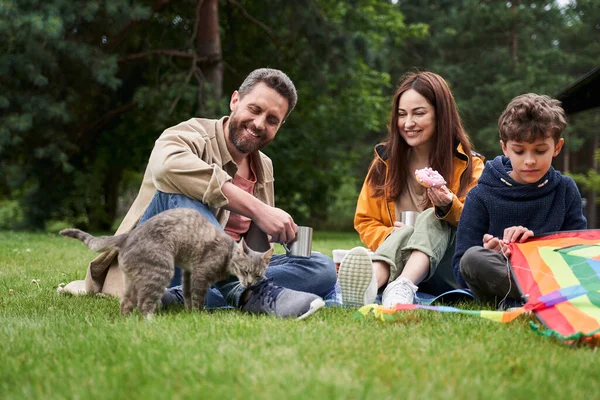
x: 402, y: 290
x: 175, y: 294
x: 266, y: 291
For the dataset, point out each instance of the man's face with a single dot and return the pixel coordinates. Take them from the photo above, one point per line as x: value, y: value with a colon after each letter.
x: 255, y: 118
x: 531, y: 161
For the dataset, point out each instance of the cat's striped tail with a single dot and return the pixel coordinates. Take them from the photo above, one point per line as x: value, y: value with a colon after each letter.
x: 98, y: 244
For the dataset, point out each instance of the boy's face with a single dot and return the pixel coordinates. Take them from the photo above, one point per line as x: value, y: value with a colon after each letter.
x: 531, y: 161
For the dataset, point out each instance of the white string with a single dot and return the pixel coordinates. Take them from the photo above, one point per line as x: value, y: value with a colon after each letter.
x: 501, y: 303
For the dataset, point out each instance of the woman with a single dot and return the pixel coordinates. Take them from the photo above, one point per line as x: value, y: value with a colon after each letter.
x: 425, y: 131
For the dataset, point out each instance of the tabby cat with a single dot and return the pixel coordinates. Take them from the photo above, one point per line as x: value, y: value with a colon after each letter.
x: 147, y: 256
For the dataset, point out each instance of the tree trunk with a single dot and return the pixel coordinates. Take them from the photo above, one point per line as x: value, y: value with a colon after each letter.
x: 208, y: 49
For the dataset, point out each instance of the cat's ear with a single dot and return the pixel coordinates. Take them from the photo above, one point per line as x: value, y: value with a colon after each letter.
x: 267, y: 255
x: 243, y: 247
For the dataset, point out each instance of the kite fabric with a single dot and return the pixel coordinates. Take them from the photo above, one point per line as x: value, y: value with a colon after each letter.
x: 559, y: 276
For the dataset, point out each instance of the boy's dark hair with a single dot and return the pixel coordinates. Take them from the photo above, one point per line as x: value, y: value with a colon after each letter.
x: 531, y: 116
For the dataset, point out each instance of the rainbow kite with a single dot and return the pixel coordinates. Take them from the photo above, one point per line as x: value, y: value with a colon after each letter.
x: 558, y: 274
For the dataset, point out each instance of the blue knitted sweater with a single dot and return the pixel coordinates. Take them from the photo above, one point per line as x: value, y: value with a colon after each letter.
x: 498, y: 202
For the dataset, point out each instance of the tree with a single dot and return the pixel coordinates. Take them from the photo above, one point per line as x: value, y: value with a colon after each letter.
x: 491, y: 52
x: 88, y: 87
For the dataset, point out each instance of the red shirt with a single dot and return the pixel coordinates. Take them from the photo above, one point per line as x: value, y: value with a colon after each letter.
x: 237, y: 224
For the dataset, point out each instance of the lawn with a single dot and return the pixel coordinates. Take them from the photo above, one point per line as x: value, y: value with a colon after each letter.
x: 55, y: 346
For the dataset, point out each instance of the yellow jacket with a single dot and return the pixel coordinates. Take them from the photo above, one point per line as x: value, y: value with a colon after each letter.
x: 375, y: 216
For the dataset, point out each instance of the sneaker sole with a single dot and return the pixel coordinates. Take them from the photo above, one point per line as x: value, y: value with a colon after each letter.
x: 315, y: 305
x: 355, y: 278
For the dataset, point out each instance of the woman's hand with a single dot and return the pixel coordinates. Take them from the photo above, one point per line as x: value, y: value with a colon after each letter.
x: 398, y: 224
x: 440, y: 197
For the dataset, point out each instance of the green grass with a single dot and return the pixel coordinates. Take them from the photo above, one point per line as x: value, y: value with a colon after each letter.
x: 54, y: 347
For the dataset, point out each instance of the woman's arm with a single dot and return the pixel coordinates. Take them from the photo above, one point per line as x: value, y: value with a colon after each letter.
x: 371, y: 220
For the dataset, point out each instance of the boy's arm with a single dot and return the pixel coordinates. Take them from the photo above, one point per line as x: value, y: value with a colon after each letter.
x: 473, y: 225
x: 574, y: 219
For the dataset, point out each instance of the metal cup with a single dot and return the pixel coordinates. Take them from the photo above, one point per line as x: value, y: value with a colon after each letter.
x: 409, y: 217
x: 301, y: 246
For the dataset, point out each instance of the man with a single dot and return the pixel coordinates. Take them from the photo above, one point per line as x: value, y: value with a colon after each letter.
x: 216, y: 167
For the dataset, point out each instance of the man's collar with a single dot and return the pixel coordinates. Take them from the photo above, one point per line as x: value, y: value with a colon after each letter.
x: 222, y: 142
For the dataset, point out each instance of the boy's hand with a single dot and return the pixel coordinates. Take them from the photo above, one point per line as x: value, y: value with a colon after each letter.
x: 513, y: 233
x: 493, y: 243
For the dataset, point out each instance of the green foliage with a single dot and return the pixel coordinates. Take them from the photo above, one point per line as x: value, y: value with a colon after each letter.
x: 591, y: 180
x: 11, y: 214
x: 491, y: 52
x: 342, y: 205
x: 57, y: 80
x: 334, y: 52
x: 53, y: 226
x: 86, y: 87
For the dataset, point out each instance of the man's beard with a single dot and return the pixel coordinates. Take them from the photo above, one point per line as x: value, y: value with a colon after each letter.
x: 240, y: 142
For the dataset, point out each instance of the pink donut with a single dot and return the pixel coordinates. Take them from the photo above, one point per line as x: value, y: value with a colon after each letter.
x: 429, y: 177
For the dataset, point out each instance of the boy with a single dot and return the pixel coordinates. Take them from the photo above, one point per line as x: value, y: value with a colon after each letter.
x: 518, y: 195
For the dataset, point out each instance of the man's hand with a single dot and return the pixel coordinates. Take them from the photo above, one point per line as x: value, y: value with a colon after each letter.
x: 515, y: 233
x: 493, y: 243
x: 276, y: 223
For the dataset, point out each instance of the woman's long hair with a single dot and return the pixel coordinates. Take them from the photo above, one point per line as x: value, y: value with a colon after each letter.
x: 449, y: 132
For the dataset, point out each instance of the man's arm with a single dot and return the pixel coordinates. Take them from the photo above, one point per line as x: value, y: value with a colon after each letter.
x: 180, y: 162
x: 275, y: 222
x: 178, y: 165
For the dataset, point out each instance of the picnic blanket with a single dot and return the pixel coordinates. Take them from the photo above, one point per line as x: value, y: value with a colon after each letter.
x: 559, y: 276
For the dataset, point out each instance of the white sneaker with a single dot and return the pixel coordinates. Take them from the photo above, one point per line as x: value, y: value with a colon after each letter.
x: 401, y: 291
x: 357, y: 278
x: 76, y: 288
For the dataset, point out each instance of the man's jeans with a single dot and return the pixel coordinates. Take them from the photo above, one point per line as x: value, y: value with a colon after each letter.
x: 314, y: 275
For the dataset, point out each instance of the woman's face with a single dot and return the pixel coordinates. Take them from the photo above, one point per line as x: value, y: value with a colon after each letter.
x: 416, y: 119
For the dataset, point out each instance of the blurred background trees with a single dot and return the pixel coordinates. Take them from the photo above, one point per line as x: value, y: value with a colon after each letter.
x: 86, y: 87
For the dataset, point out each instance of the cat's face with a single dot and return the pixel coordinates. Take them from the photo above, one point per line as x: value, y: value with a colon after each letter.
x: 249, y: 265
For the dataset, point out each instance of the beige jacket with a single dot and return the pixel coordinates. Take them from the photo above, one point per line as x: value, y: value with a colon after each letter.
x: 190, y: 158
